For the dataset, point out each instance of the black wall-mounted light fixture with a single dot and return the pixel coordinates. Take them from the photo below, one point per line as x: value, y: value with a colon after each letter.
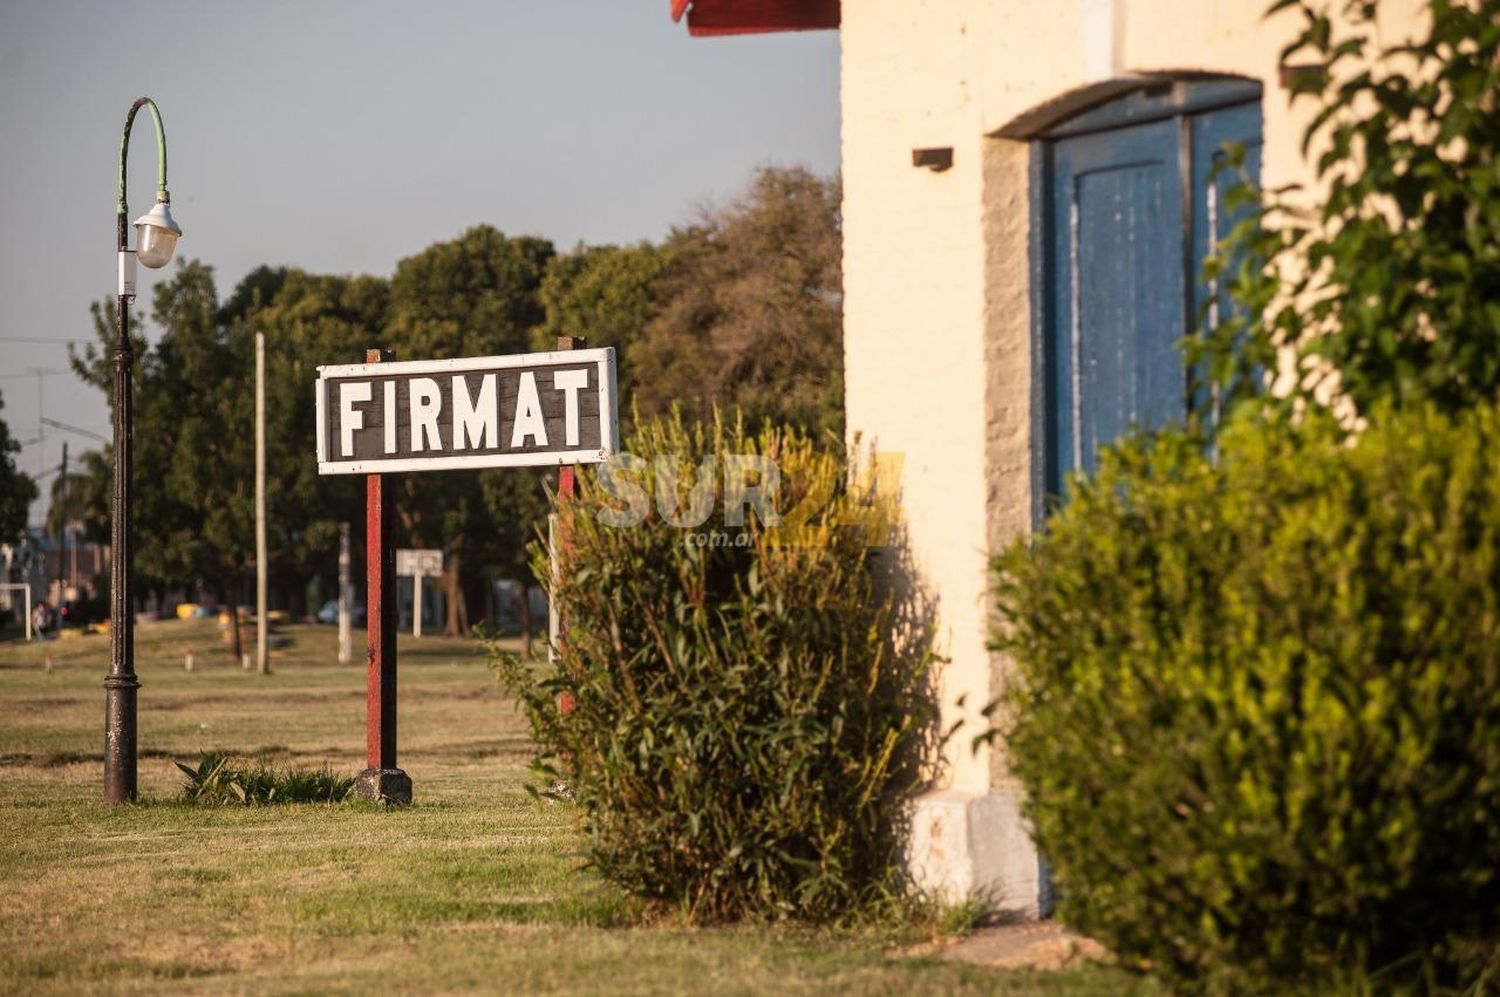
x: 936, y: 159
x: 1301, y: 77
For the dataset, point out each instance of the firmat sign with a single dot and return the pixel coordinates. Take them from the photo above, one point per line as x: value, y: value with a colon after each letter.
x: 433, y: 415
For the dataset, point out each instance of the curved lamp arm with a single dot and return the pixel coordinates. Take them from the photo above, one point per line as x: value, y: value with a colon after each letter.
x: 161, y: 159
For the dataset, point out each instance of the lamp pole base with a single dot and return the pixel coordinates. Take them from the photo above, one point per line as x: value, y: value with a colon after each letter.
x: 119, y: 738
x: 383, y: 786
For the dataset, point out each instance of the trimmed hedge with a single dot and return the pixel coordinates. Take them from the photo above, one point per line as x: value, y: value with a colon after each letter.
x: 1259, y: 707
x: 734, y: 721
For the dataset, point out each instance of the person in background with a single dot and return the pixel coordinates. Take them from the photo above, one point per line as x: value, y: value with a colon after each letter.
x: 41, y: 616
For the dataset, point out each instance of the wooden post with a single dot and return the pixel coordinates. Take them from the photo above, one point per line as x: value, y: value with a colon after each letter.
x: 566, y: 488
x: 416, y: 598
x: 262, y: 625
x: 381, y: 780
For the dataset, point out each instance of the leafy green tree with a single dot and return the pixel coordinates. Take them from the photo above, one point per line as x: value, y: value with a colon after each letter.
x: 193, y: 492
x: 751, y: 310
x: 607, y: 295
x: 65, y: 501
x: 89, y: 495
x: 515, y: 506
x: 1388, y: 286
x: 741, y: 308
x: 309, y: 320
x: 476, y: 295
x: 17, y: 490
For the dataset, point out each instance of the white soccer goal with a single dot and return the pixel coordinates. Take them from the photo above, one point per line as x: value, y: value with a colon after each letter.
x: 11, y: 587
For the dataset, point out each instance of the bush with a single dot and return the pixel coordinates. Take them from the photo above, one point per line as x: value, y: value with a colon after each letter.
x: 220, y: 780
x: 735, y: 721
x: 1259, y: 708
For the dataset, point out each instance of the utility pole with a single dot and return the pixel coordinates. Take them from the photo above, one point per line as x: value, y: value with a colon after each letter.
x: 344, y: 650
x: 62, y: 529
x: 41, y: 406
x: 262, y: 635
x: 41, y: 373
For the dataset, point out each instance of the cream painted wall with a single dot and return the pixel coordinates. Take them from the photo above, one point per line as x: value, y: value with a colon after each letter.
x: 936, y: 270
x: 914, y: 305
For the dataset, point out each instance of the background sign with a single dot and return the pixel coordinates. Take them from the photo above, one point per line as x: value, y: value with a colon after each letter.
x: 527, y: 409
x: 419, y: 563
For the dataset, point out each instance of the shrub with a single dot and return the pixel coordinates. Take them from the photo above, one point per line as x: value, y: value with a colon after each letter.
x: 221, y: 780
x: 1384, y: 282
x: 1258, y: 714
x: 736, y: 721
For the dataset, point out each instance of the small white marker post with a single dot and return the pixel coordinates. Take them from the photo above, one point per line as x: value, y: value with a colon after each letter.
x: 418, y: 564
x: 344, y: 600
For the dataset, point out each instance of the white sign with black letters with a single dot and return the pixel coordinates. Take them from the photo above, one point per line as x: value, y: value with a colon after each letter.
x: 419, y: 563
x: 523, y: 410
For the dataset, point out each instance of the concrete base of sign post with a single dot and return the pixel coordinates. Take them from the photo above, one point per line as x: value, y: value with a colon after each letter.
x: 383, y: 786
x: 967, y: 843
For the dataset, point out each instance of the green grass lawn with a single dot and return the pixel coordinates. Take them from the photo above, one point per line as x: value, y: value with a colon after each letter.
x: 475, y: 887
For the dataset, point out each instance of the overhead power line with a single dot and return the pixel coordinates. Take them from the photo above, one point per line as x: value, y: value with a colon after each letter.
x: 39, y: 339
x: 33, y: 372
x: 75, y: 429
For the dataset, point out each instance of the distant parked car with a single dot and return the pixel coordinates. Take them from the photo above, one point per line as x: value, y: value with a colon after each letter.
x: 330, y: 613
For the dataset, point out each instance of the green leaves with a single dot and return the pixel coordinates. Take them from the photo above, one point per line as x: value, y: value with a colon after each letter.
x: 219, y: 780
x: 16, y: 488
x: 735, y: 725
x: 1258, y: 716
x: 1390, y: 261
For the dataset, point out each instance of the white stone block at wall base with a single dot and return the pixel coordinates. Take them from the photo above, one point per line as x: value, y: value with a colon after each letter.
x: 967, y: 843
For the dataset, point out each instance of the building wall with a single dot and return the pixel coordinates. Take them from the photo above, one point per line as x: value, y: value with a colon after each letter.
x: 914, y: 303
x: 937, y: 272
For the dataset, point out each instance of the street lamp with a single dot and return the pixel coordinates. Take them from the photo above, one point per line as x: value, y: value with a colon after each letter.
x: 156, y: 238
x: 156, y: 234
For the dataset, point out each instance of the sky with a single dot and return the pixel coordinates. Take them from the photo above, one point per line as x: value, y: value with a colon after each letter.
x: 340, y: 137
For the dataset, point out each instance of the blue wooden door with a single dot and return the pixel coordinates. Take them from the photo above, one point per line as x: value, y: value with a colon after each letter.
x: 1128, y: 211
x: 1118, y: 302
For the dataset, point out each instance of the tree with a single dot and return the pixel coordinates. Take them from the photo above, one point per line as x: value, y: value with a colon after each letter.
x: 475, y: 295
x: 741, y: 308
x: 67, y: 498
x: 1388, y: 288
x: 17, y: 490
x: 607, y: 295
x: 751, y: 312
x: 191, y: 502
x: 309, y: 320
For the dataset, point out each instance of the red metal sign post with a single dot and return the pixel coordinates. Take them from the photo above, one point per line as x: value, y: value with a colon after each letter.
x: 381, y: 418
x: 381, y: 780
x: 565, y: 484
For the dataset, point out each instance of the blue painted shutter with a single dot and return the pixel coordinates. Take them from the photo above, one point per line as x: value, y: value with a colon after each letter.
x: 1118, y: 296
x: 1212, y: 217
x: 1124, y: 241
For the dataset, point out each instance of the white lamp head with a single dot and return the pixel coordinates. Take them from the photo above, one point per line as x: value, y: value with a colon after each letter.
x: 156, y: 235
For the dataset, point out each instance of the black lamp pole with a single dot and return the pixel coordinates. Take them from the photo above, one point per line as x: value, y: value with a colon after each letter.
x: 121, y: 685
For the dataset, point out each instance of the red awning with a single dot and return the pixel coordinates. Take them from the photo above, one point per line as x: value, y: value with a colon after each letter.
x: 754, y: 17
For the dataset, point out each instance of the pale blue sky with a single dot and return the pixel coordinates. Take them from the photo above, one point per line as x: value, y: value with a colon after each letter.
x: 343, y: 136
